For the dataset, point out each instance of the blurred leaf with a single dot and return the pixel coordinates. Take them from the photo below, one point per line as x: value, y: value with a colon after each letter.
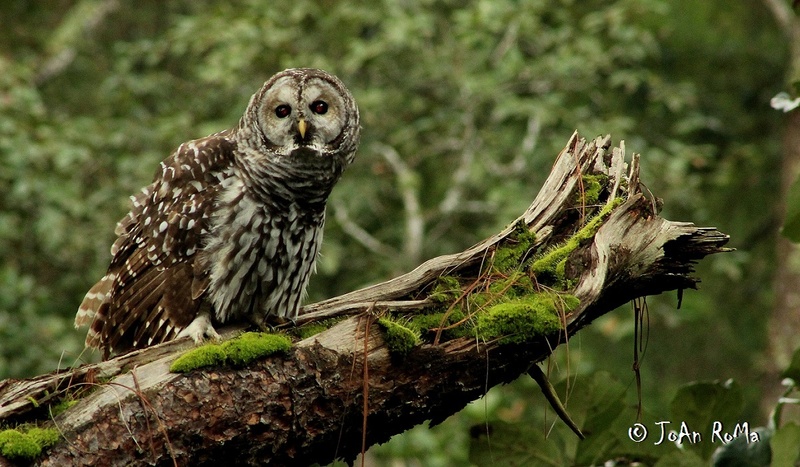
x: 791, y: 224
x: 514, y: 444
x: 785, y: 444
x: 681, y: 458
x: 610, y: 423
x: 793, y: 370
x: 700, y: 405
x: 746, y: 452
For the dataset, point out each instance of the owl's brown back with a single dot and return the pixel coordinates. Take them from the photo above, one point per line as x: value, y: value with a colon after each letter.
x: 153, y: 288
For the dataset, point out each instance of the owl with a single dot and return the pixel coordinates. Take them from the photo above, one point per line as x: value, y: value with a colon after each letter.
x: 230, y: 228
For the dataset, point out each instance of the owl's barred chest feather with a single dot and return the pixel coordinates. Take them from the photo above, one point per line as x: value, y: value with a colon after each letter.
x: 259, y: 258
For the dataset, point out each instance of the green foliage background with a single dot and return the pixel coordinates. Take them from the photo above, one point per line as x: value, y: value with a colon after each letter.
x: 465, y: 105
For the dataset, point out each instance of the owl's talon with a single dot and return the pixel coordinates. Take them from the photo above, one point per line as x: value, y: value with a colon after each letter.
x: 199, y: 330
x: 274, y: 323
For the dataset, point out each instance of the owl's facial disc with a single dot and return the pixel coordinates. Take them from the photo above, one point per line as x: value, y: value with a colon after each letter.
x: 306, y: 114
x: 324, y: 112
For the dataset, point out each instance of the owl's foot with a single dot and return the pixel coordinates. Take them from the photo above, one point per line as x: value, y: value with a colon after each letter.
x: 273, y: 323
x: 200, y: 329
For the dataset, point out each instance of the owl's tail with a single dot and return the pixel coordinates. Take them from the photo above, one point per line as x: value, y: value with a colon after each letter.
x: 90, y: 313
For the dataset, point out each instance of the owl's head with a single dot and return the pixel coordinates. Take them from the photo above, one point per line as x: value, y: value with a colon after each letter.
x: 304, y: 113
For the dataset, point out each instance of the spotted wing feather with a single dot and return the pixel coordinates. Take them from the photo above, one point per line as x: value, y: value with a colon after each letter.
x: 152, y: 289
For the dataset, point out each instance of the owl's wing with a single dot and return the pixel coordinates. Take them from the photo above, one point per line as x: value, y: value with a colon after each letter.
x: 152, y: 288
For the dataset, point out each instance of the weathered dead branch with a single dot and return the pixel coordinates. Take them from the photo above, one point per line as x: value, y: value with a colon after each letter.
x: 306, y: 406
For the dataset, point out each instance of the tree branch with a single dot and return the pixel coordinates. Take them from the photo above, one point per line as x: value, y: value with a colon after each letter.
x: 308, y: 406
x: 408, y: 183
x: 790, y: 25
x: 783, y: 15
x: 81, y: 21
x: 454, y: 196
x: 358, y: 233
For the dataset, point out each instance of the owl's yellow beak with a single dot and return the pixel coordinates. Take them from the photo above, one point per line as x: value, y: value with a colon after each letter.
x: 301, y: 127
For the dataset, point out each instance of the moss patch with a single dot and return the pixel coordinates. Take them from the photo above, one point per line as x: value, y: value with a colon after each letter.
x: 549, y: 268
x: 20, y: 444
x: 200, y: 357
x: 44, y: 437
x: 523, y: 319
x: 515, y: 285
x: 238, y: 351
x: 592, y: 186
x: 310, y: 329
x: 62, y: 406
x: 509, y: 256
x: 446, y: 290
x: 400, y: 337
x: 426, y: 323
x: 254, y: 345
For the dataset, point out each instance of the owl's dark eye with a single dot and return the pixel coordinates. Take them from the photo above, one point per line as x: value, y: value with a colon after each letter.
x: 319, y: 107
x: 283, y: 111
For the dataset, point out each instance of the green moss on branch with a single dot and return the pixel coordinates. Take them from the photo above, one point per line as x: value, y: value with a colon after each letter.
x: 315, y: 327
x: 238, y: 351
x: 26, y: 444
x: 518, y: 245
x: 400, y: 337
x: 526, y: 318
x: 550, y: 267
